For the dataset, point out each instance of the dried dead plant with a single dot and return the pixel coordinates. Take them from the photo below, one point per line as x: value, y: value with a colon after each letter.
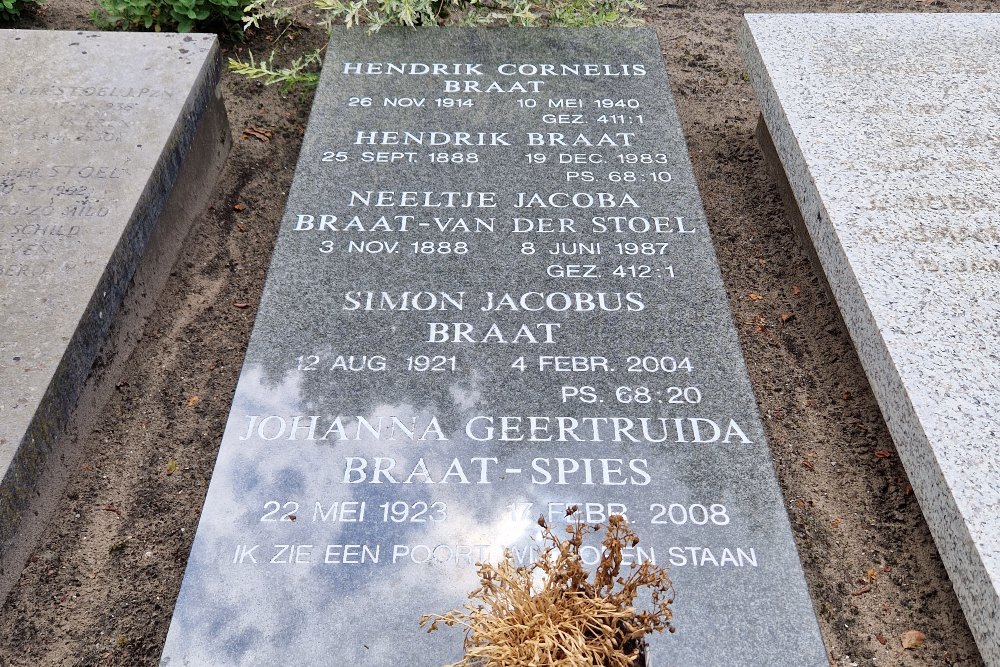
x: 551, y: 613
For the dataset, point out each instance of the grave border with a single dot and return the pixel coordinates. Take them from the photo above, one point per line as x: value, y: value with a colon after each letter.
x: 192, y: 157
x: 811, y: 220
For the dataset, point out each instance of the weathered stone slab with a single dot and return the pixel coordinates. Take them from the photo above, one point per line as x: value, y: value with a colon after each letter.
x: 888, y: 129
x: 494, y: 295
x: 96, y: 130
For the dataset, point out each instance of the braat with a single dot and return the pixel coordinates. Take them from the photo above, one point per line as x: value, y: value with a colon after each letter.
x: 464, y: 332
x: 452, y: 86
x: 617, y: 139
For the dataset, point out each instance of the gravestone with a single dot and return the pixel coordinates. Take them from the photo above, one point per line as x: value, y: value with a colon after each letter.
x: 493, y: 296
x: 104, y: 135
x: 887, y: 130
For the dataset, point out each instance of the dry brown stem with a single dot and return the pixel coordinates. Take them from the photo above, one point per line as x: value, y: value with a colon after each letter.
x: 551, y: 613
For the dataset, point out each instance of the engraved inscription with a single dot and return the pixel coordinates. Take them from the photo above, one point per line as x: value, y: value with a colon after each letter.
x: 493, y: 297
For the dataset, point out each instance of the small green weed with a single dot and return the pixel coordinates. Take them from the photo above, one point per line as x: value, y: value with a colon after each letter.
x: 180, y: 15
x: 376, y: 14
x: 11, y: 9
x: 302, y: 71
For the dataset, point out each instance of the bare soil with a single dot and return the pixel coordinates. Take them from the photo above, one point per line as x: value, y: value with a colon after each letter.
x: 99, y: 587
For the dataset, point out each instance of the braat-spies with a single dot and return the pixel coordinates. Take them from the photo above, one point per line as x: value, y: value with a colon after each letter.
x: 487, y: 470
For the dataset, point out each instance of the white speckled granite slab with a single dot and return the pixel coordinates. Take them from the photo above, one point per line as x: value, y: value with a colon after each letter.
x: 888, y: 128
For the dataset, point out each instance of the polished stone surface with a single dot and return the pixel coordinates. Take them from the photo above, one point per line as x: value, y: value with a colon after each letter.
x: 96, y: 127
x: 493, y: 295
x: 888, y: 128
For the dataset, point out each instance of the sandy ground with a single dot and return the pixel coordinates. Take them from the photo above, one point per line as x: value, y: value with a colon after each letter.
x: 99, y: 587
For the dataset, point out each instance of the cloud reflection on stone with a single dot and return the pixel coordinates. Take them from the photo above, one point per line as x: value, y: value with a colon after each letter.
x: 323, y: 607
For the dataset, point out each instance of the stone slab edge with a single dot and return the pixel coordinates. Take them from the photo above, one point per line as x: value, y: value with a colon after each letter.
x: 188, y: 198
x: 52, y: 418
x: 959, y: 554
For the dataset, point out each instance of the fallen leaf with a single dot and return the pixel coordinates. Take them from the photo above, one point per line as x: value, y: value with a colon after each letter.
x: 240, y: 226
x: 239, y: 207
x: 907, y: 490
x: 193, y: 401
x: 171, y: 467
x: 846, y: 395
x: 754, y: 296
x: 883, y: 454
x: 809, y: 464
x: 861, y: 591
x: 259, y: 133
x: 872, y: 575
x: 787, y: 315
x: 835, y: 523
x: 881, y: 640
x: 796, y: 290
x: 912, y: 639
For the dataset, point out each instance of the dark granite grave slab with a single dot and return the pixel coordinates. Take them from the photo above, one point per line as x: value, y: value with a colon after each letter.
x: 97, y: 128
x: 494, y: 295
